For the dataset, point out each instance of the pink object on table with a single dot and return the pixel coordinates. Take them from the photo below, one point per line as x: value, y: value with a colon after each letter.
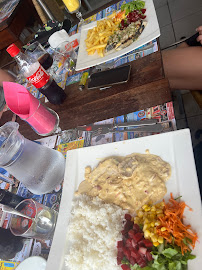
x: 27, y: 107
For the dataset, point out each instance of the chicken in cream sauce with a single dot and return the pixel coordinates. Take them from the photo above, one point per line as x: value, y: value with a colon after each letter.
x: 129, y: 182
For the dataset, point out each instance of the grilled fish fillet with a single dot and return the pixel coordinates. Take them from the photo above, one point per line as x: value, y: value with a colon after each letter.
x: 123, y: 38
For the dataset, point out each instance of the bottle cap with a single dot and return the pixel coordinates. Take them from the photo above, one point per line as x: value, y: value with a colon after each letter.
x: 13, y: 50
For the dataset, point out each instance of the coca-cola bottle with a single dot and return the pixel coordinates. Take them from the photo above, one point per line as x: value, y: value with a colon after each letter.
x: 36, y: 74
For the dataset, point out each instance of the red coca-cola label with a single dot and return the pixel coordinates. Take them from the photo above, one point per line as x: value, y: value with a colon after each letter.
x: 39, y: 78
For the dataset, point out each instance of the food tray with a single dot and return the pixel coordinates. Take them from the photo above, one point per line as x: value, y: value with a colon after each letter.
x: 174, y: 147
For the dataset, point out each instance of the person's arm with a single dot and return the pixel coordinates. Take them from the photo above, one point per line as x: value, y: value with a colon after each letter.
x: 5, y: 77
x: 199, y: 38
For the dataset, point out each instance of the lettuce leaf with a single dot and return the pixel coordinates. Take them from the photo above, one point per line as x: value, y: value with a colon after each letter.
x: 169, y: 252
x: 134, y: 5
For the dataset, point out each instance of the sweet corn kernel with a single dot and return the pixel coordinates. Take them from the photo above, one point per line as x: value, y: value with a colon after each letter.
x: 146, y: 220
x: 159, y: 211
x: 154, y: 238
x: 156, y: 244
x: 146, y: 233
x: 136, y: 220
x: 152, y: 224
x: 153, y: 208
x: 140, y: 214
x: 157, y: 223
x: 163, y: 229
x: 160, y: 215
x: 147, y: 209
x: 144, y: 206
x: 160, y: 240
x: 145, y: 227
x: 152, y: 216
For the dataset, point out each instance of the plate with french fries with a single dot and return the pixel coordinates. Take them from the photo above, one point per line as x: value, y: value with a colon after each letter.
x: 95, y: 35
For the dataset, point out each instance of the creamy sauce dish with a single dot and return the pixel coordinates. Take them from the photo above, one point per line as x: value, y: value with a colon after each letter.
x: 129, y: 182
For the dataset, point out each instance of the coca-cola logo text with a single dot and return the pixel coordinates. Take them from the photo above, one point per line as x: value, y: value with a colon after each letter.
x: 37, y: 76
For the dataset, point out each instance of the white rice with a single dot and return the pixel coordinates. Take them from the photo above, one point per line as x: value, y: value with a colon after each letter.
x: 94, y: 229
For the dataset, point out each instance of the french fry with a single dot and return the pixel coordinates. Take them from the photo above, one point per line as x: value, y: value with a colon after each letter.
x: 96, y: 47
x: 97, y: 37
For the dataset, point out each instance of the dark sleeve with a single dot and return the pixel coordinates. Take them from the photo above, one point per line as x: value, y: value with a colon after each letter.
x: 192, y: 40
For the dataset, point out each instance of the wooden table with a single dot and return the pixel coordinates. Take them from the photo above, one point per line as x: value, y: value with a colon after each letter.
x: 147, y: 87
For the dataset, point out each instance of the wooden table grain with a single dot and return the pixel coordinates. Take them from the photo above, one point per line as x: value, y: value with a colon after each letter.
x: 146, y: 87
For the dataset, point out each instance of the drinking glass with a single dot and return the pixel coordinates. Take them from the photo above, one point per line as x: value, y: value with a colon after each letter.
x: 65, y: 58
x: 44, y: 121
x: 73, y: 6
x: 37, y: 51
x: 40, y: 226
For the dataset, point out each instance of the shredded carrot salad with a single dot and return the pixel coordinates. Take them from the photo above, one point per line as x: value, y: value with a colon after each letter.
x: 172, y: 227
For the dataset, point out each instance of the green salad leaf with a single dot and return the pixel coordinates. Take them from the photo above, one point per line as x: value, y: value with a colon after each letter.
x: 169, y: 252
x: 166, y: 257
x: 133, y: 5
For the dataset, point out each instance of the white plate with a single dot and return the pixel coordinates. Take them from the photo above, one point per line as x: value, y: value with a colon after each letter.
x: 32, y: 263
x: 174, y: 147
x: 150, y: 32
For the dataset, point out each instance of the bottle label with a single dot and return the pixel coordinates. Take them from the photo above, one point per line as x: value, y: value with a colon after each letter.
x: 39, y: 78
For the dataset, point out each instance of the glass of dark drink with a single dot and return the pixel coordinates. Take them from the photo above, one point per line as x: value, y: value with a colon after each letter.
x: 37, y: 51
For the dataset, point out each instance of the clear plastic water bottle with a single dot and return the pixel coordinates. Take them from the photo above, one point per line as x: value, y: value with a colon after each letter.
x: 36, y: 74
x: 38, y: 167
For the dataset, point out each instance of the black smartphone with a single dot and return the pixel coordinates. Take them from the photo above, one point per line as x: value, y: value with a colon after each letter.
x: 109, y: 77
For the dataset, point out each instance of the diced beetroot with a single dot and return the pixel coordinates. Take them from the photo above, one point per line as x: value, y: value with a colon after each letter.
x: 132, y: 260
x: 122, y: 23
x: 149, y: 256
x: 143, y: 263
x: 128, y: 217
x: 120, y: 254
x: 127, y: 254
x: 120, y: 245
x: 125, y: 267
x: 134, y: 244
x: 141, y: 243
x: 142, y: 17
x: 137, y: 237
x: 128, y: 243
x: 143, y: 250
x: 147, y: 243
x: 131, y: 233
x: 128, y: 225
x: 124, y: 232
x: 136, y: 228
x: 143, y: 10
x: 139, y: 260
x: 119, y: 260
x: 135, y: 254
